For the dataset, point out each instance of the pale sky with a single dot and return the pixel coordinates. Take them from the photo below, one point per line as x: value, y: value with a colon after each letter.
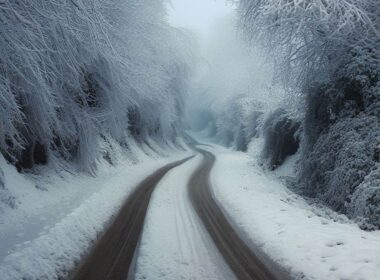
x: 199, y: 15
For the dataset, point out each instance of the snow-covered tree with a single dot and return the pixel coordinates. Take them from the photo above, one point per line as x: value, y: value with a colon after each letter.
x: 329, y: 51
x: 75, y: 72
x: 310, y: 37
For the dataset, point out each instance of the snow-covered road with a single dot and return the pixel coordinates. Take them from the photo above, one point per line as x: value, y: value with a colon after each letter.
x: 246, y: 263
x: 175, y: 245
x: 53, y: 246
x: 113, y: 254
x: 311, y: 242
x: 186, y: 234
x: 183, y: 239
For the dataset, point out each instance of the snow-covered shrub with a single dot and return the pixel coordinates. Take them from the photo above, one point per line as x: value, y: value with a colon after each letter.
x: 6, y: 197
x: 2, y: 183
x: 329, y: 51
x: 340, y: 159
x: 71, y: 72
x: 229, y: 123
x: 327, y: 55
x: 365, y: 201
x: 341, y: 140
x: 239, y: 121
x: 281, y: 140
x: 254, y: 122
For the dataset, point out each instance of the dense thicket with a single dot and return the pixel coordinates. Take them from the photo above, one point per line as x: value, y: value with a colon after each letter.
x: 312, y: 38
x: 75, y: 73
x: 281, y: 138
x: 329, y: 51
x: 238, y: 121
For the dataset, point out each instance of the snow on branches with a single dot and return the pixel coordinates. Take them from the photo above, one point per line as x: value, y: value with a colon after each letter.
x: 329, y: 50
x: 71, y: 71
x: 309, y: 37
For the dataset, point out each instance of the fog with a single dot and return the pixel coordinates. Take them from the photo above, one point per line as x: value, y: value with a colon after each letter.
x: 265, y: 79
x: 112, y: 90
x: 198, y: 15
x: 228, y: 69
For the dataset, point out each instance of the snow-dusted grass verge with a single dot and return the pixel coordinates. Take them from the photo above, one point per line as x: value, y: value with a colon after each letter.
x: 288, y: 229
x: 59, y: 215
x: 174, y: 244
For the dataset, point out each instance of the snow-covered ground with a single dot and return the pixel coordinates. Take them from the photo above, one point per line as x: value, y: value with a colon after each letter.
x: 58, y: 215
x: 174, y: 244
x: 293, y: 233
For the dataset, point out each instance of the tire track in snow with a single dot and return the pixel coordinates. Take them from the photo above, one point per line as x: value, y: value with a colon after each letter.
x: 175, y: 245
x: 239, y: 256
x: 113, y: 254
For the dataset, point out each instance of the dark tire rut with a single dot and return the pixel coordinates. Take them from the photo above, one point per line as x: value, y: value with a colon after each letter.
x: 245, y: 264
x: 112, y: 256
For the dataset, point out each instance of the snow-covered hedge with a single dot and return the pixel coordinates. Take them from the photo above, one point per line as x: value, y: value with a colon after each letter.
x: 239, y: 120
x: 281, y: 138
x: 341, y: 141
x: 310, y: 39
x: 72, y: 72
x: 329, y: 52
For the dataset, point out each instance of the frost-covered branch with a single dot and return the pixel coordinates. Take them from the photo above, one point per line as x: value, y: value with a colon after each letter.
x: 302, y: 30
x: 71, y: 71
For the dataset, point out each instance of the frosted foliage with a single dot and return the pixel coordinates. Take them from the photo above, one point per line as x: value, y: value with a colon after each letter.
x: 70, y: 71
x: 341, y: 168
x: 329, y: 50
x: 281, y: 133
x: 342, y: 137
x: 350, y: 163
x: 366, y: 199
x: 311, y: 37
x: 239, y: 121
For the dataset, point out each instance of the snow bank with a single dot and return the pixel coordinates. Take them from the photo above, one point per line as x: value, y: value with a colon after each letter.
x: 58, y: 216
x: 290, y: 231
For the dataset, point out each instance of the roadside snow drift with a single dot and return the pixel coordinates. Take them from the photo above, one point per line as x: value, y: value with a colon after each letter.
x: 55, y: 224
x: 301, y: 238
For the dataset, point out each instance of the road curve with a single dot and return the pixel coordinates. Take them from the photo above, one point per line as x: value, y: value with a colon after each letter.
x: 242, y: 261
x: 112, y: 256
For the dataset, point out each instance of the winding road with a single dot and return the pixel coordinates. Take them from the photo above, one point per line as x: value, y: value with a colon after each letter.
x: 243, y: 262
x: 113, y: 255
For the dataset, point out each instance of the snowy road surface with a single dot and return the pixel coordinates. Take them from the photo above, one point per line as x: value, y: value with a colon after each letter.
x: 183, y: 239
x: 54, y: 231
x: 310, y: 241
x: 174, y: 244
x: 186, y: 235
x: 245, y: 264
x: 112, y: 256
